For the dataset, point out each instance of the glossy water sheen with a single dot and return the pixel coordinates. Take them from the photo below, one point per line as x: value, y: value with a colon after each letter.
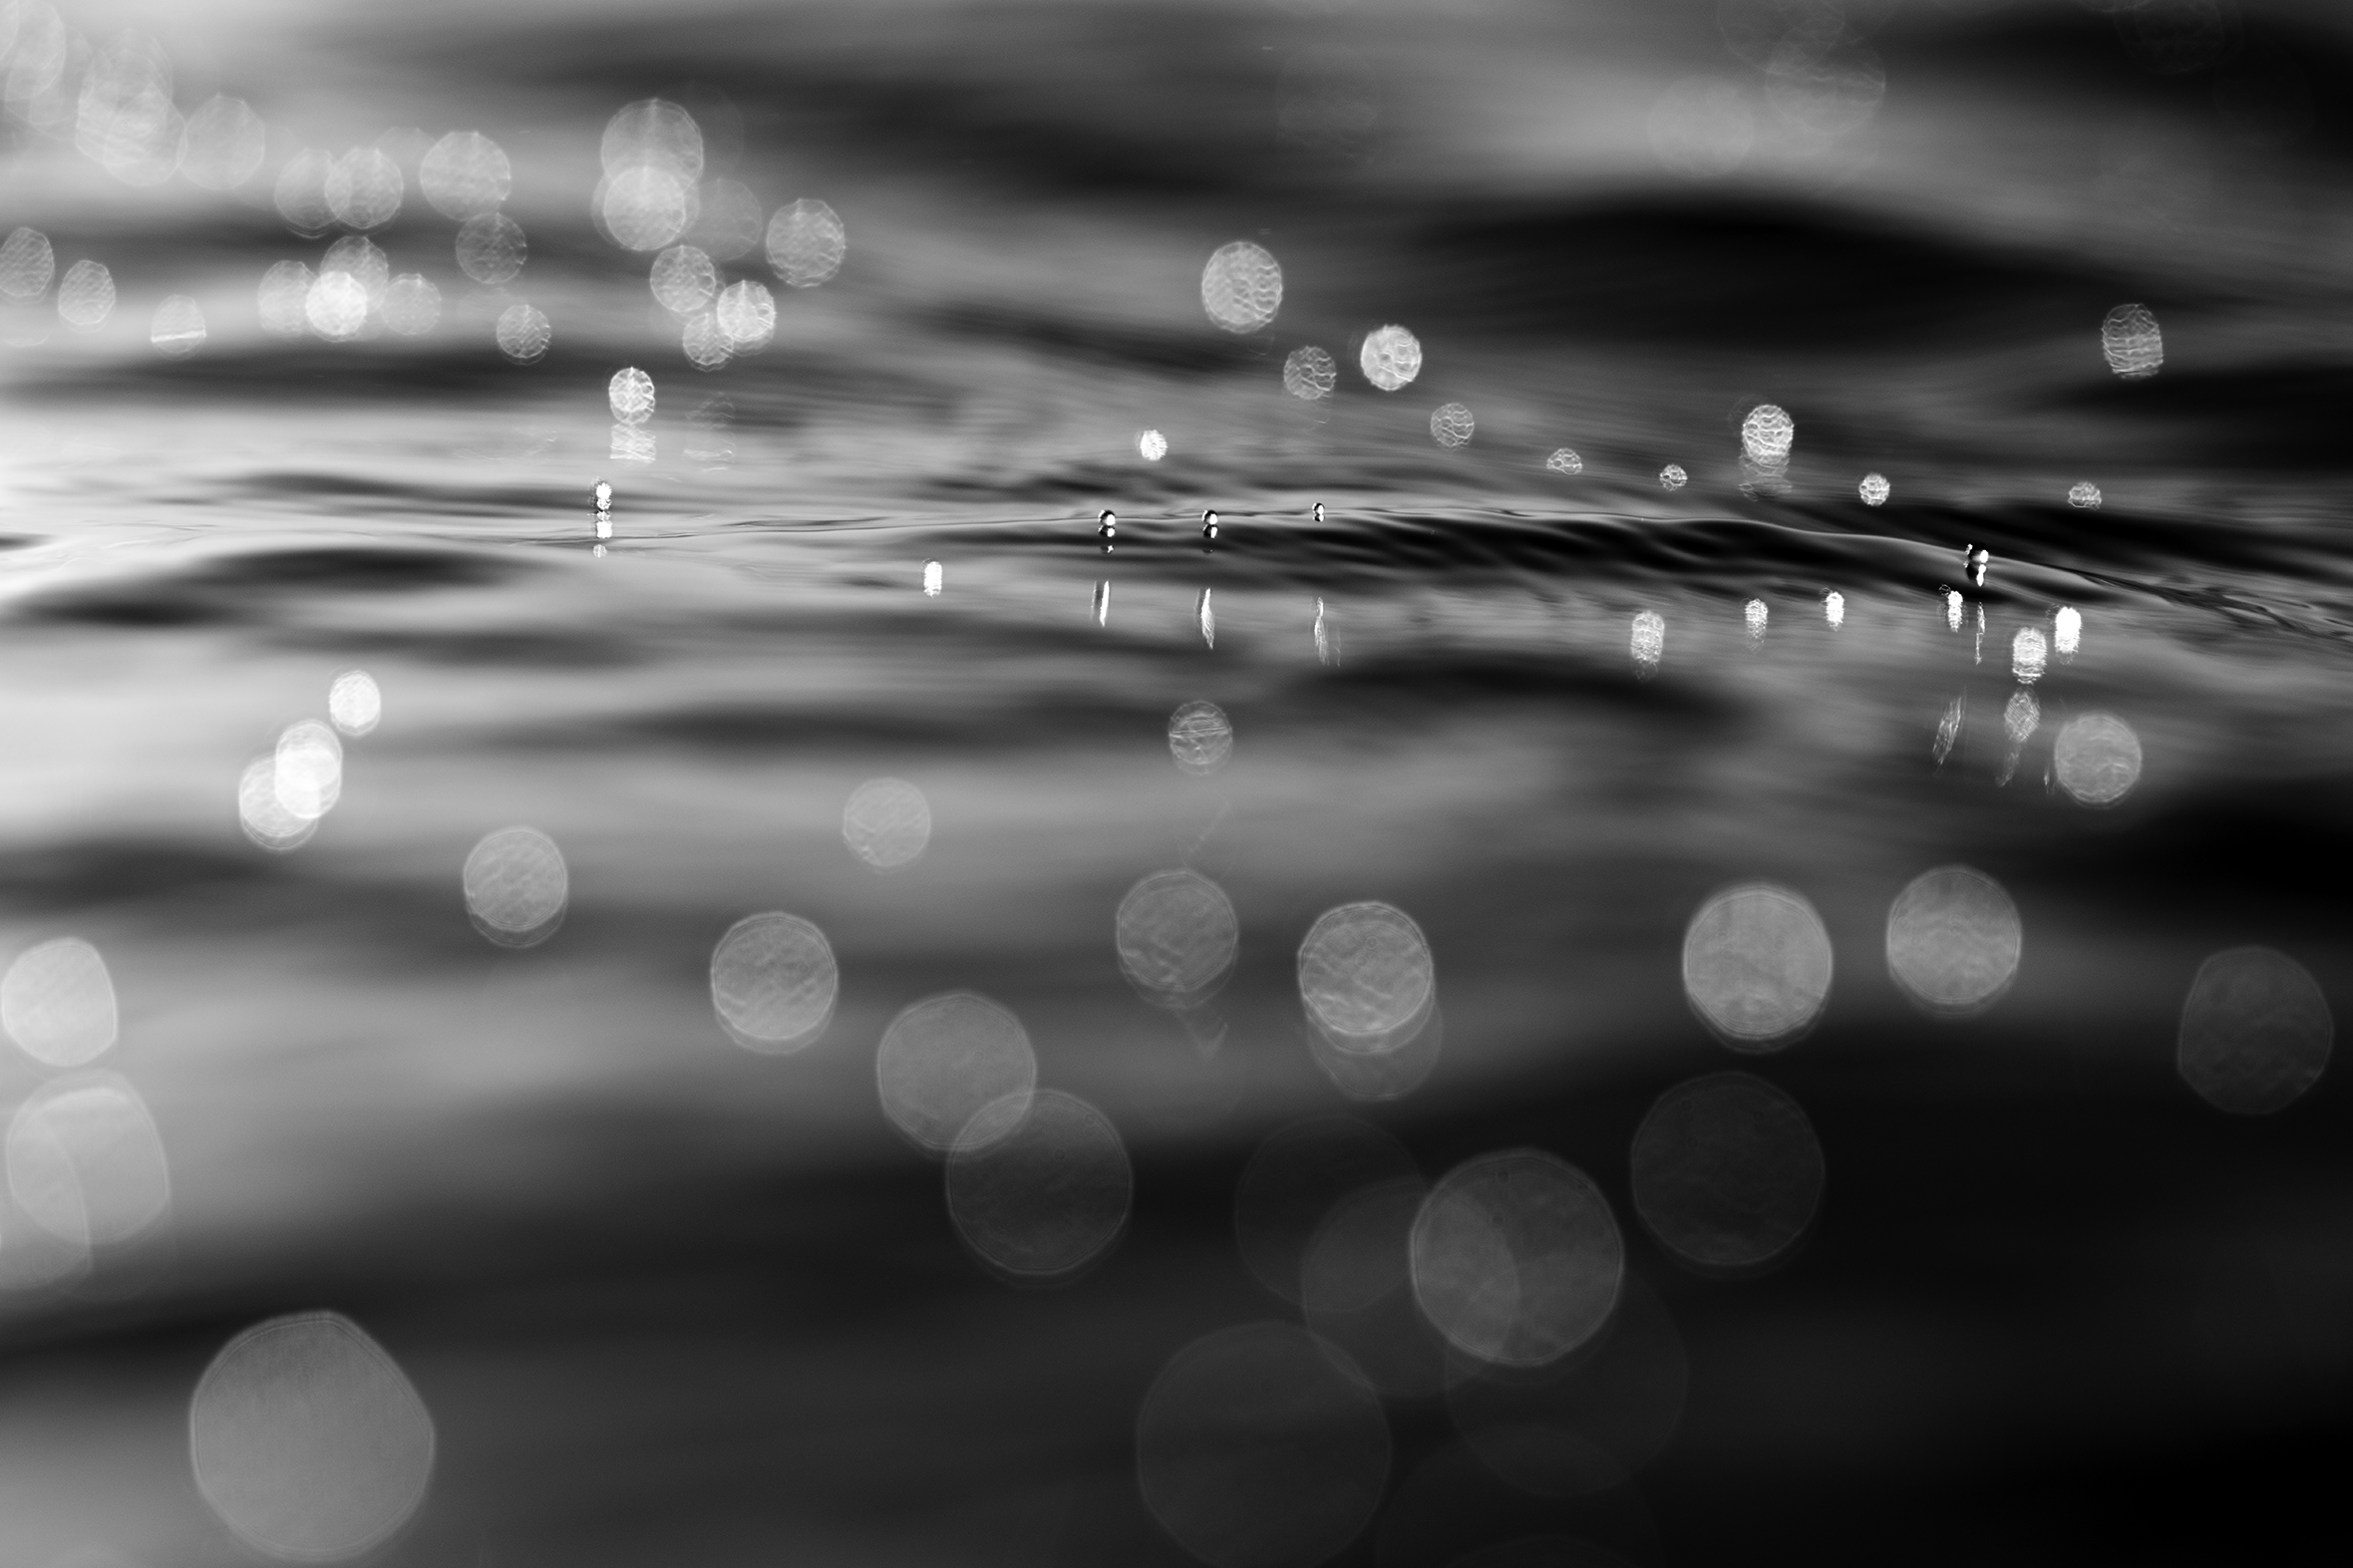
x: 666, y: 1297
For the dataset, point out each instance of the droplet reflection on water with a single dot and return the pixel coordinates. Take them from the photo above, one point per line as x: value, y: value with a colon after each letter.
x: 2029, y: 655
x: 772, y: 982
x: 1648, y: 643
x: 1039, y: 1185
x: 1151, y: 445
x: 1726, y: 1171
x: 1517, y: 1258
x: 2255, y: 1032
x: 1757, y: 965
x: 943, y: 1059
x: 1953, y: 941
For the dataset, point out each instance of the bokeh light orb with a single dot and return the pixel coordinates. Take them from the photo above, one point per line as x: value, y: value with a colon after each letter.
x: 2255, y: 1032
x: 523, y: 333
x: 2096, y: 758
x: 355, y: 703
x: 1366, y: 975
x: 1176, y: 936
x: 57, y: 1002
x: 1726, y: 1171
x: 1038, y: 1186
x: 517, y: 887
x: 1564, y: 461
x: 745, y: 316
x: 1757, y: 965
x: 772, y: 982
x: 492, y: 249
x: 1875, y: 489
x: 86, y: 296
x: 1517, y: 1258
x: 1151, y: 445
x: 945, y: 1057
x: 1241, y: 286
x: 1767, y: 434
x: 1672, y: 477
x: 465, y: 175
x: 2132, y: 342
x: 178, y: 329
x: 1309, y: 374
x: 1201, y: 738
x: 1452, y: 425
x: 261, y: 814
x: 630, y: 396
x: 1953, y: 941
x: 2085, y: 495
x: 84, y: 1161
x: 886, y: 822
x: 1390, y: 358
x: 807, y: 243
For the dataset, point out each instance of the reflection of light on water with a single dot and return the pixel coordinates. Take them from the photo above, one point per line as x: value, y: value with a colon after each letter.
x: 1310, y: 373
x: 2098, y: 757
x: 57, y: 1003
x: 1100, y: 606
x: 1200, y: 739
x: 1649, y: 643
x: 1255, y: 1449
x: 807, y: 243
x: 1206, y: 614
x: 1517, y: 1258
x: 1151, y: 445
x: 745, y: 316
x: 466, y: 175
x: 934, y: 578
x: 1391, y: 357
x: 492, y: 249
x: 515, y: 886
x: 226, y: 142
x: 84, y: 1161
x: 2129, y: 339
x: 1366, y: 975
x: 263, y: 816
x: 772, y: 982
x: 1564, y: 461
x: 1873, y: 489
x: 2255, y: 1030
x: 178, y: 327
x: 1038, y: 1186
x: 86, y: 296
x: 1953, y: 941
x: 412, y: 305
x: 2085, y: 494
x: 1702, y: 127
x: 2067, y: 629
x: 309, y: 769
x: 1727, y: 1170
x: 2029, y: 655
x: 1948, y: 728
x: 945, y: 1058
x: 27, y: 263
x: 1953, y: 609
x: 1452, y: 425
x: 1672, y: 477
x: 1176, y: 936
x: 1757, y: 965
x: 1324, y: 651
x: 1833, y: 609
x: 354, y: 702
x: 308, y: 1440
x: 684, y: 280
x: 630, y: 394
x: 1241, y: 286
x: 523, y: 333
x: 1293, y: 1181
x: 1753, y: 615
x: 886, y: 824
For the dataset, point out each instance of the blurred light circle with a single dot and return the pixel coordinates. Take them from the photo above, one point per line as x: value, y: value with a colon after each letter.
x: 363, y: 260
x: 523, y: 333
x: 1757, y: 965
x: 1256, y: 1448
x: 412, y: 305
x: 364, y: 188
x: 2097, y: 757
x: 2067, y: 630
x: 1450, y: 424
x: 746, y: 315
x: 887, y: 822
x: 1672, y: 477
x: 774, y: 981
x: 86, y: 296
x: 1767, y: 434
x: 945, y: 1057
x: 1826, y: 93
x: 2255, y: 1032
x: 684, y: 280
x: 704, y: 345
x: 2083, y: 494
x: 354, y: 702
x: 336, y: 307
x: 1309, y: 374
x: 1201, y: 738
x: 57, y: 1002
x: 1365, y: 972
x: 1389, y: 1067
x: 1039, y: 1185
x: 1953, y: 941
x: 1873, y: 489
x: 2029, y: 655
x: 1648, y: 642
x: 263, y: 816
x: 2022, y: 715
x: 1517, y: 1258
x: 643, y: 209
x: 729, y: 222
x: 631, y: 395
x: 653, y: 134
x: 2132, y: 342
x: 309, y: 769
x: 806, y: 243
x: 1362, y: 1250
x: 1151, y: 445
x: 465, y: 175
x: 308, y: 1440
x: 284, y: 299
x: 515, y: 886
x: 1295, y: 1179
x: 492, y: 248
x: 1391, y: 357
x: 227, y: 142
x: 1755, y: 30
x: 1242, y: 286
x: 27, y: 263
x: 1176, y: 936
x: 301, y: 192
x: 1726, y: 1171
x: 124, y: 120
x: 1564, y: 461
x: 178, y: 327
x: 84, y: 1161
x: 1702, y: 128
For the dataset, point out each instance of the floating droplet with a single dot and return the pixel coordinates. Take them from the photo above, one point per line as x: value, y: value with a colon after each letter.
x: 2098, y: 759
x: 1241, y: 287
x: 1767, y: 435
x: 1176, y: 936
x: 1563, y: 461
x: 945, y: 1058
x: 887, y: 824
x: 1753, y: 615
x: 807, y: 243
x: 772, y: 982
x: 515, y: 886
x: 2255, y: 1032
x: 631, y: 395
x: 2067, y: 630
x: 1648, y: 643
x: 933, y: 577
x: 1953, y: 941
x: 1517, y: 1258
x: 1833, y: 609
x: 1390, y: 358
x: 1875, y: 489
x: 1726, y: 1171
x: 1201, y: 738
x: 1757, y: 965
x: 1672, y: 477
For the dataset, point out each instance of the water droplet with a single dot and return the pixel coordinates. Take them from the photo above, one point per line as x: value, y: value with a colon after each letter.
x: 1205, y: 612
x: 1039, y: 1185
x: 1107, y: 525
x: 2067, y: 630
x: 1241, y: 286
x: 772, y: 982
x: 2098, y: 759
x: 1953, y: 941
x: 1317, y: 513
x: 1875, y: 489
x: 1208, y: 525
x: 807, y: 243
x: 1672, y: 477
x: 2085, y: 494
x: 2131, y: 341
x: 1452, y: 425
x: 1563, y: 461
x: 1391, y: 357
x: 1101, y: 607
x: 946, y: 1058
x: 1517, y: 1258
x: 1757, y: 966
x: 1176, y: 936
x: 1726, y: 1171
x: 1767, y: 435
x: 1753, y: 615
x: 1151, y: 444
x: 515, y: 886
x: 631, y: 395
x: 601, y: 497
x: 1367, y: 977
x: 1200, y: 739
x: 2255, y: 1032
x: 887, y: 824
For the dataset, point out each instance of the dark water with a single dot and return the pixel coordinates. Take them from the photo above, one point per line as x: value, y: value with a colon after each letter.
x: 667, y: 1298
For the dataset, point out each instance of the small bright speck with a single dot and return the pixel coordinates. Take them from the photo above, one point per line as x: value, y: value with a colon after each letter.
x: 2029, y: 655
x: 946, y: 1058
x: 1309, y: 374
x: 1176, y: 936
x: 284, y: 299
x: 631, y: 395
x: 1151, y: 445
x: 2098, y: 759
x: 1672, y: 477
x: 354, y: 703
x: 412, y: 305
x: 492, y: 249
x: 1241, y: 286
x: 27, y: 263
x: 1757, y: 966
x: 57, y: 1003
x: 84, y: 1161
x: 523, y: 333
x: 364, y: 188
x: 745, y: 316
x: 1564, y: 461
x: 887, y: 824
x: 1039, y: 1185
x: 1953, y: 941
x: 684, y: 280
x: 933, y: 577
x: 1390, y: 358
x: 515, y: 886
x: 1726, y: 1171
x: 1753, y: 615
x: 1450, y: 424
x: 308, y: 1440
x: 86, y: 296
x: 772, y: 982
x: 2129, y: 339
x: 1258, y: 1446
x: 1873, y: 489
x: 2022, y: 715
x: 807, y: 243
x: 263, y: 816
x: 178, y: 327
x: 1366, y: 976
x: 1201, y: 738
x: 2255, y: 1032
x: 466, y: 175
x: 2085, y: 494
x: 226, y: 142
x: 1517, y: 1258
x: 336, y: 307
x: 1833, y: 609
x: 1767, y: 434
x: 309, y: 769
x: 1648, y: 643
